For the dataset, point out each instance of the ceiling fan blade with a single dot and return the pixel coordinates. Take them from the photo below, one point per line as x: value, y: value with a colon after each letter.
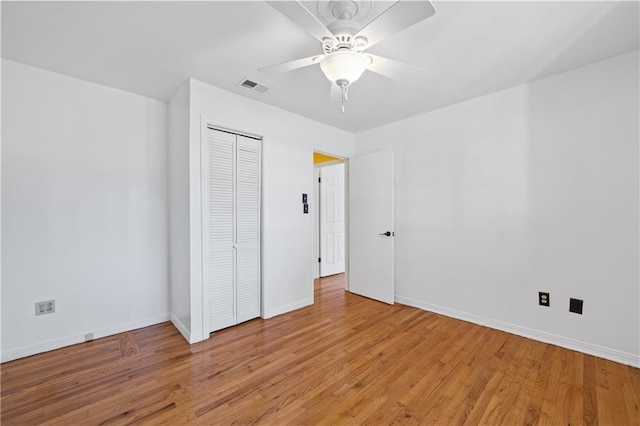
x: 291, y: 65
x: 395, y: 70
x: 401, y: 15
x: 299, y: 14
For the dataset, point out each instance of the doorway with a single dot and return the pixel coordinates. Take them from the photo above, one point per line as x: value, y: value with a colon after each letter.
x: 329, y: 215
x: 368, y: 207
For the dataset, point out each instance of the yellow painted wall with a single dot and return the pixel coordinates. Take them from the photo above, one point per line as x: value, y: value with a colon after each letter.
x: 322, y: 158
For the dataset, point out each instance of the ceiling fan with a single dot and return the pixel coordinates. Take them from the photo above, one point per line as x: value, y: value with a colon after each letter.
x: 344, y: 40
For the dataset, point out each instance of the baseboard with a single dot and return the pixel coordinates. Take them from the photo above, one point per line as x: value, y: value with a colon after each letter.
x: 180, y: 327
x: 565, y: 342
x: 288, y: 308
x: 188, y: 336
x: 53, y: 344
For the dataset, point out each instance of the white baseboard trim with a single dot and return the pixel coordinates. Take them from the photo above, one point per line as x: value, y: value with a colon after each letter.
x: 565, y: 342
x: 180, y: 327
x: 53, y: 344
x: 188, y: 336
x: 288, y: 308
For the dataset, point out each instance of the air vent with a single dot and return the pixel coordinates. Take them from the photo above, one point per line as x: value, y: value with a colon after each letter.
x: 253, y: 86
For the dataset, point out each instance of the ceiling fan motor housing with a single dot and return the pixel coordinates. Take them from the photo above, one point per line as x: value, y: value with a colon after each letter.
x: 344, y: 41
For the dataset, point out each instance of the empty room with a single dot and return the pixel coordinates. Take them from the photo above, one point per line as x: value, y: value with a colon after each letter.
x: 320, y: 212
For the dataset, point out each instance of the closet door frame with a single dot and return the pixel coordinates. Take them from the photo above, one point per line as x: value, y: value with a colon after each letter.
x: 205, y: 125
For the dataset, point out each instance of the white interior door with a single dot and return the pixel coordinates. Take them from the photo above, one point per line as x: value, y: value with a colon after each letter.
x: 332, y: 222
x: 371, y: 226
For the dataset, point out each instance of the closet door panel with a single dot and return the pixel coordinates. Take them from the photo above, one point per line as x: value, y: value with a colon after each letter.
x: 248, y: 284
x: 248, y: 228
x: 219, y: 228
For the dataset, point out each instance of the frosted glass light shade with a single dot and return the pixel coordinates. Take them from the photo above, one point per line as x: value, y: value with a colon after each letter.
x: 344, y: 65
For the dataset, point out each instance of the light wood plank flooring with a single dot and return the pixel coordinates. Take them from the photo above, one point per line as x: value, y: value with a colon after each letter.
x: 344, y: 360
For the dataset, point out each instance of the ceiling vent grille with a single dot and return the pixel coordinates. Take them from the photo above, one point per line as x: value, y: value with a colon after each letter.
x: 253, y: 86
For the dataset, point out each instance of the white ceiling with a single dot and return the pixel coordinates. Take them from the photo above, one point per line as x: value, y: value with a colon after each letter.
x: 468, y: 49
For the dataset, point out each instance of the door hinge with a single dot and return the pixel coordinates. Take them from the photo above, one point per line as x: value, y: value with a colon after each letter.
x: 319, y: 180
x: 319, y: 260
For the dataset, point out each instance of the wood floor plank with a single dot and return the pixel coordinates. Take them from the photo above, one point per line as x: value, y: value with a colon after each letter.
x: 528, y: 373
x: 344, y: 360
x: 589, y: 392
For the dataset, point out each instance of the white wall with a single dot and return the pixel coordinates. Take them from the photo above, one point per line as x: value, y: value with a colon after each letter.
x: 534, y: 188
x: 288, y: 144
x: 84, y: 210
x: 0, y: 192
x: 180, y: 287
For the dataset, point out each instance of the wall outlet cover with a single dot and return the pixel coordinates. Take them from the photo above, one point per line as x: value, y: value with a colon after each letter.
x: 46, y: 307
x: 543, y: 298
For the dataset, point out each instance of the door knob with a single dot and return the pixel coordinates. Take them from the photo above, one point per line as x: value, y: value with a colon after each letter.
x: 388, y: 233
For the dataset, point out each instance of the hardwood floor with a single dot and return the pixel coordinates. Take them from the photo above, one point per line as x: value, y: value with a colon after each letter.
x: 344, y: 360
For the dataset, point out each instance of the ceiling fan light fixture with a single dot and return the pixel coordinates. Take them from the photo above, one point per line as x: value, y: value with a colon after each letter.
x: 344, y: 65
x: 344, y: 39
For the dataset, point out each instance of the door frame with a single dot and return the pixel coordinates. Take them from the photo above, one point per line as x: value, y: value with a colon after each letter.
x: 315, y: 222
x: 317, y: 210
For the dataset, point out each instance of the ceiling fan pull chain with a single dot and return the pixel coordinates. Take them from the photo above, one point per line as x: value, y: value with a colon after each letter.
x: 344, y: 87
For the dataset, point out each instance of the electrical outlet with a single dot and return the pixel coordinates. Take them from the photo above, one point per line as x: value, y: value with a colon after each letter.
x: 46, y: 307
x: 543, y: 298
x: 575, y: 305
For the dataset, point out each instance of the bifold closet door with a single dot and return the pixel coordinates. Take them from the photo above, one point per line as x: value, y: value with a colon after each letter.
x: 247, y: 228
x: 219, y: 228
x: 231, y: 226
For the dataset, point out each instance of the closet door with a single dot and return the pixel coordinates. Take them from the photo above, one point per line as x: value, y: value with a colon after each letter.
x: 247, y: 228
x: 231, y: 228
x: 219, y: 254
